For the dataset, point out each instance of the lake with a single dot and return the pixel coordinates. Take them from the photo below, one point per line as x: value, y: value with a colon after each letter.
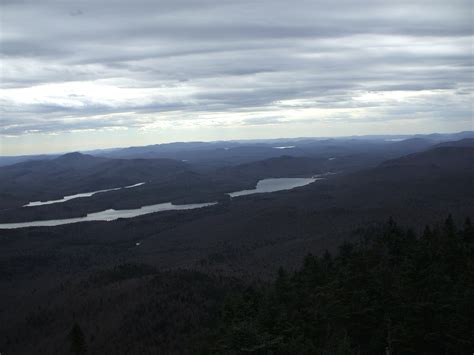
x: 277, y: 184
x: 263, y: 186
x: 84, y: 194
x: 108, y: 215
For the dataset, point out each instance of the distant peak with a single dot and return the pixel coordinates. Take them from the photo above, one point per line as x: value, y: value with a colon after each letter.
x: 73, y: 156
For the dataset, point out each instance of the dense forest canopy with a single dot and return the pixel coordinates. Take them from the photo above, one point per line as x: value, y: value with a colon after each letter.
x: 390, y: 291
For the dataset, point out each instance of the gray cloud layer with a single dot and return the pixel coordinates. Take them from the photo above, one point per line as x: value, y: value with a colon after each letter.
x: 131, y: 64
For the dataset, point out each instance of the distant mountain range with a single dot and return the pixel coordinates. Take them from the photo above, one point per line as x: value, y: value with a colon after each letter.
x: 240, y: 151
x: 213, y: 173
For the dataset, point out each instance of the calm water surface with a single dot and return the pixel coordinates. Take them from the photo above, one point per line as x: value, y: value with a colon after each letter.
x: 84, y: 194
x: 273, y: 185
x: 265, y: 185
x: 108, y: 215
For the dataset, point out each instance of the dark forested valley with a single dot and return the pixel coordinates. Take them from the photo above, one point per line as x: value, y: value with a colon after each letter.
x: 375, y: 256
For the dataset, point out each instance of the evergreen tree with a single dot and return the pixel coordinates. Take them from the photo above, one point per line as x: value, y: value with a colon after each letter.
x: 77, y: 340
x: 393, y: 292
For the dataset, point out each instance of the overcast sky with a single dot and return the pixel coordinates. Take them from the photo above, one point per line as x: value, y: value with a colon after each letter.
x: 92, y: 74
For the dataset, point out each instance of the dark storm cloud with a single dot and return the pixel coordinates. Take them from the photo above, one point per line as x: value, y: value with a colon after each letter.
x: 185, y: 56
